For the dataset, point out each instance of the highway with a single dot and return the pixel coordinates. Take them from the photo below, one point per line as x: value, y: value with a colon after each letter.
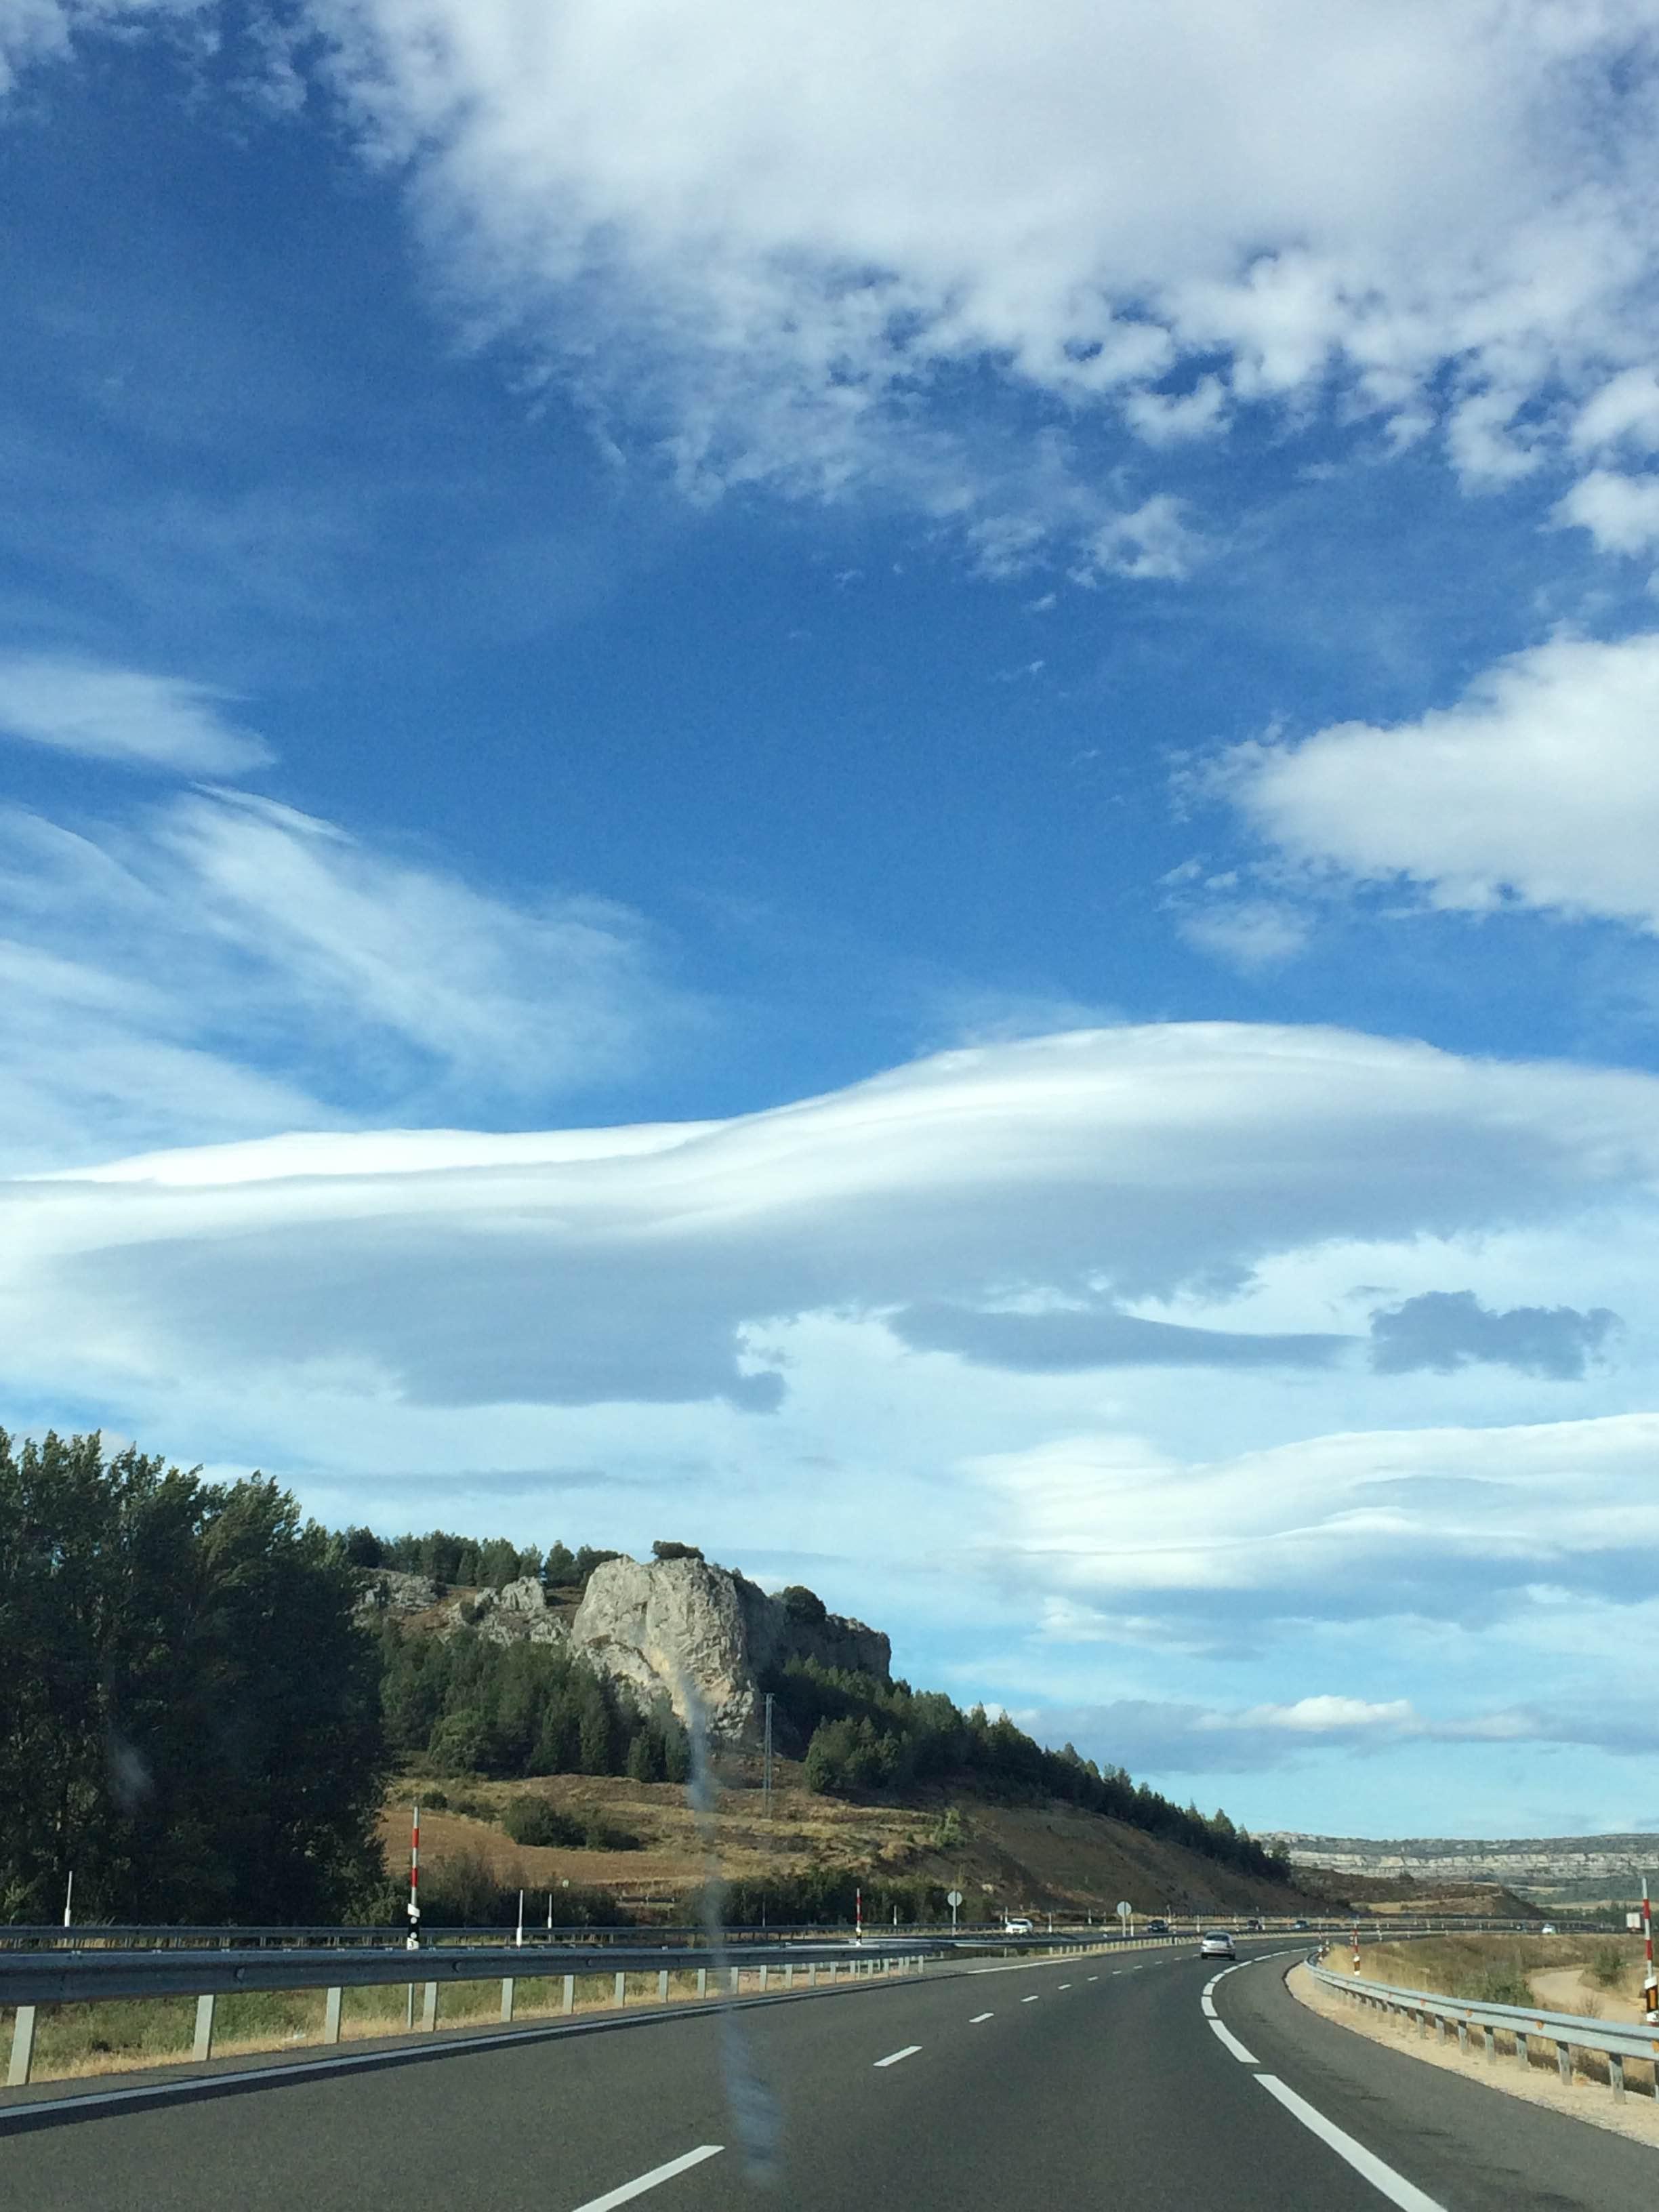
x: 1076, y: 2082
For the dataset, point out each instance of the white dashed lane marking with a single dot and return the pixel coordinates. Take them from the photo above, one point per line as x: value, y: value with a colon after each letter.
x: 894, y: 2057
x: 979, y: 2016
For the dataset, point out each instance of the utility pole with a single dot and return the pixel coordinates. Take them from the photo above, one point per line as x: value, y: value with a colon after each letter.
x: 69, y: 1896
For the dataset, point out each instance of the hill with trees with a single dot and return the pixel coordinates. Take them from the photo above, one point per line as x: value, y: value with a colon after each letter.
x: 205, y: 1707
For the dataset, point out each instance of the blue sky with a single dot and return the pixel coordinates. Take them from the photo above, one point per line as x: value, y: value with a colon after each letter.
x: 881, y: 790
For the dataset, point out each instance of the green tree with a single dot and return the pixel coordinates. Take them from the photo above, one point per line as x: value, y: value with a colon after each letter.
x: 192, y: 1720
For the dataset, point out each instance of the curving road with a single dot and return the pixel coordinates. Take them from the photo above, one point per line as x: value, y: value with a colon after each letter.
x: 1074, y: 2083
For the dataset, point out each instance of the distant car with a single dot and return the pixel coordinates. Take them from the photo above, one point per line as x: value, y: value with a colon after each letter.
x: 1548, y: 1928
x: 1217, y: 1943
x: 1298, y: 1924
x: 1255, y: 1927
x: 1018, y: 1923
x: 1157, y: 1927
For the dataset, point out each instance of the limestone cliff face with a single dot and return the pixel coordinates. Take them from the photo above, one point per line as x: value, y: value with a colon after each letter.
x: 679, y: 1628
x: 519, y: 1613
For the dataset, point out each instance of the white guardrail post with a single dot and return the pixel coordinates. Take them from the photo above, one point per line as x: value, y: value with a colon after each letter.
x: 1525, y: 2024
x: 103, y: 1969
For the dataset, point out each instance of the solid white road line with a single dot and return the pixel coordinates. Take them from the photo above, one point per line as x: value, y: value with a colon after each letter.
x: 1028, y: 1999
x: 1395, y: 2186
x: 979, y: 2016
x: 658, y: 2174
x: 1231, y: 2043
x: 894, y: 2057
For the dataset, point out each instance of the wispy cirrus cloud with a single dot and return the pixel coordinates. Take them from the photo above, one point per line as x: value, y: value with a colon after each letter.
x: 124, y: 716
x: 223, y: 965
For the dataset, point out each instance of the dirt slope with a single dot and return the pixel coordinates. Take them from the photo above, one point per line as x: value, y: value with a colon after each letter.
x: 1052, y: 1857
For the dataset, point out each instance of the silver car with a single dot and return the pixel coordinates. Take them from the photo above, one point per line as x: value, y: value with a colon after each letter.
x: 1217, y: 1943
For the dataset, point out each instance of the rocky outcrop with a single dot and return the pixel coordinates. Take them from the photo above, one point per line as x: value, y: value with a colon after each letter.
x: 677, y: 1632
x: 519, y: 1613
x: 386, y: 1591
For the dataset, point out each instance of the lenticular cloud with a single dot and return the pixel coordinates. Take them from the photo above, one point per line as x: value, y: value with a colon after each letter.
x: 617, y: 1265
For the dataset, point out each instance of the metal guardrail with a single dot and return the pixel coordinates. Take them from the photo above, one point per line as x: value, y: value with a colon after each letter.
x: 1525, y: 2024
x: 30, y: 1980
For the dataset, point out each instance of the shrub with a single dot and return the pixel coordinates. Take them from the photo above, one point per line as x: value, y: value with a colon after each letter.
x: 661, y: 1550
x: 533, y: 1821
x: 803, y: 1605
x: 1607, y: 1966
x: 599, y: 1834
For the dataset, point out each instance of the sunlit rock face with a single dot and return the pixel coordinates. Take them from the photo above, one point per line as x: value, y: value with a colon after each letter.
x: 680, y: 1631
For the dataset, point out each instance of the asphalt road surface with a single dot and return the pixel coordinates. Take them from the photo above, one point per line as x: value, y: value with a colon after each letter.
x: 1078, y: 2083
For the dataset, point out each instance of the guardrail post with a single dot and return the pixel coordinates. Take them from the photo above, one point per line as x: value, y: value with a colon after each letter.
x: 1491, y: 2036
x: 736, y: 1979
x: 507, y: 1996
x: 703, y: 1981
x: 1564, y: 2062
x: 202, y: 2047
x: 662, y: 1985
x: 429, y: 2008
x: 331, y: 2016
x: 570, y: 1993
x: 1463, y: 2037
x: 622, y: 1988
x: 22, y: 2048
x: 789, y: 1978
x: 764, y: 1972
x: 1615, y: 2074
x: 812, y: 1977
x: 1521, y: 2051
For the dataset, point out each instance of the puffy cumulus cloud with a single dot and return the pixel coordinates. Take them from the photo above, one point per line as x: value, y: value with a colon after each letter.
x: 223, y: 964
x: 1540, y: 788
x: 1442, y: 1330
x: 122, y: 715
x: 770, y: 235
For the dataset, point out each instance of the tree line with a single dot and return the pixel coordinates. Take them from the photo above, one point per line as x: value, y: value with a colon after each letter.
x: 859, y: 1734
x: 201, y: 1719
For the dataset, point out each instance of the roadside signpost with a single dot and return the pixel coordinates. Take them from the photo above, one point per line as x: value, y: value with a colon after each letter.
x: 953, y: 1898
x: 1126, y: 1913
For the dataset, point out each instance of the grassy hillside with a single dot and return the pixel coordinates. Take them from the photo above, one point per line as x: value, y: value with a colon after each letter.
x: 1054, y: 1856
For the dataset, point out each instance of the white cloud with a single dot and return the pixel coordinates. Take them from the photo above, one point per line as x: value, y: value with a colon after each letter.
x: 766, y: 236
x: 225, y: 966
x: 119, y: 714
x: 1625, y: 408
x: 1152, y: 543
x: 1539, y: 787
x: 1248, y: 934
x: 34, y: 31
x: 1621, y: 512
x: 598, y: 1323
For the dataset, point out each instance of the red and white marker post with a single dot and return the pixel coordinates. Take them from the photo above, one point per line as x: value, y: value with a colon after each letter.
x: 414, y: 1944
x: 858, y: 1916
x: 1650, y: 1980
x: 1356, y: 1950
